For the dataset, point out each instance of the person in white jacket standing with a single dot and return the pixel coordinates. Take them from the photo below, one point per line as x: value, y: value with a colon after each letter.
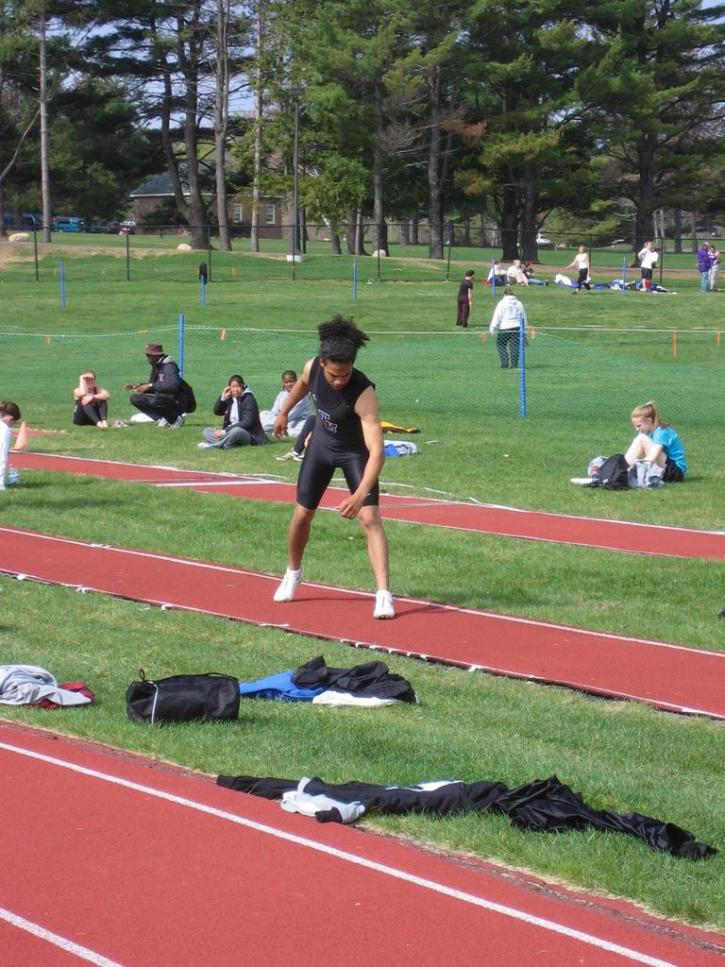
x: 509, y: 320
x: 9, y: 414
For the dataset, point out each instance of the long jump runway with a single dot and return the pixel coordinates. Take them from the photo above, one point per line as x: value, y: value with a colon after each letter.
x: 476, y: 518
x: 117, y: 860
x: 668, y: 676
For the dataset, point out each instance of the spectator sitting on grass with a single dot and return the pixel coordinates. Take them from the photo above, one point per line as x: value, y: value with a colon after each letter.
x: 91, y: 407
x: 515, y: 274
x: 657, y: 442
x: 298, y: 414
x: 241, y: 426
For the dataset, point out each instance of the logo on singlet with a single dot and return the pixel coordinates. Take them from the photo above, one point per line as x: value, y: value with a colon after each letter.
x: 325, y: 418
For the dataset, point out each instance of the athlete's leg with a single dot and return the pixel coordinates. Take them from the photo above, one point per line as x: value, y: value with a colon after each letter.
x: 372, y: 525
x: 298, y: 535
x: 315, y: 474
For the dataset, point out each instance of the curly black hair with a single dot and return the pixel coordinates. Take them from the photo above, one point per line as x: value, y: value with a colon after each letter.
x: 340, y: 340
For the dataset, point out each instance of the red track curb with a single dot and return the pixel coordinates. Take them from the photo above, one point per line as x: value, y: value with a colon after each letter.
x: 667, y: 676
x: 622, y: 536
x: 238, y: 879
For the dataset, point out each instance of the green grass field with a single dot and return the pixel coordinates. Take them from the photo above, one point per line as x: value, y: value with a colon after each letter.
x: 581, y: 385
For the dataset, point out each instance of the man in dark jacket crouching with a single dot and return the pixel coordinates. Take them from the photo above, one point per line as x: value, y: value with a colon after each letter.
x: 165, y: 398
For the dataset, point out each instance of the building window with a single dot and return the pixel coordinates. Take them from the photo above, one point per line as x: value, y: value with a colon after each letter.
x: 237, y: 214
x: 269, y: 214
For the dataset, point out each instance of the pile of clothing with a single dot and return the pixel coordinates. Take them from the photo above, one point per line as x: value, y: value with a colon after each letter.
x: 543, y: 805
x: 370, y: 685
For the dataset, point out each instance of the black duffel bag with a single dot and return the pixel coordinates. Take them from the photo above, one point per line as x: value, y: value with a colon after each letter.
x: 183, y: 698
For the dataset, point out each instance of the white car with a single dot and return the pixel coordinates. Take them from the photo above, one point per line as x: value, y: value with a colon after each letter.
x: 541, y: 240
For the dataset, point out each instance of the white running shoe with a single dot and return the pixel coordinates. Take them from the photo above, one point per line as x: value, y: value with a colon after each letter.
x: 583, y: 481
x: 141, y: 418
x: 177, y: 424
x: 384, y: 607
x: 162, y: 422
x: 288, y: 588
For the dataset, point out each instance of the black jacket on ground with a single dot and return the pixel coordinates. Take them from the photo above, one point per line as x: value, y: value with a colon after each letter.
x: 543, y: 805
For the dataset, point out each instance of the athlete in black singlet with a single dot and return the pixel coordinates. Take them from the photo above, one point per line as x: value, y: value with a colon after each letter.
x: 347, y: 435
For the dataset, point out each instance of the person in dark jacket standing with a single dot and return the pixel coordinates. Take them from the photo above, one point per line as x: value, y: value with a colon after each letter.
x: 465, y: 299
x: 161, y: 399
x: 241, y: 426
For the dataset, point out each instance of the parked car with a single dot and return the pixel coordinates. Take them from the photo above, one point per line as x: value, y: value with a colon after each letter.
x: 541, y: 241
x: 68, y: 223
x: 31, y: 220
x: 127, y: 227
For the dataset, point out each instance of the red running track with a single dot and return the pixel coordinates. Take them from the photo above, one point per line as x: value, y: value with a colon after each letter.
x: 668, y: 676
x: 476, y: 518
x: 139, y: 863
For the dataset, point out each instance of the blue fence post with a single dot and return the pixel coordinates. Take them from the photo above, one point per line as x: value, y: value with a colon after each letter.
x: 522, y: 371
x: 624, y: 275
x: 62, y: 284
x: 354, y: 278
x: 182, y: 339
x: 203, y: 291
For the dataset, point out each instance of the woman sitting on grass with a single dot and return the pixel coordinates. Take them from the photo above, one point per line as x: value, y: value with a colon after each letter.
x: 9, y: 414
x: 241, y: 426
x: 91, y: 402
x: 657, y: 442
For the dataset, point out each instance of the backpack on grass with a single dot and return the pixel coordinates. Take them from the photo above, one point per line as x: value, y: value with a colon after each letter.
x: 187, y: 400
x: 182, y: 698
x: 614, y: 473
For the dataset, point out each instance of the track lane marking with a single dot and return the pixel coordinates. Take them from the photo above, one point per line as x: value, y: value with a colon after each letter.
x: 391, y: 871
x: 69, y: 946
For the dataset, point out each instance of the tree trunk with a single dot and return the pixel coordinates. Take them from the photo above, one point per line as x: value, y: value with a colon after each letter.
x: 335, y: 247
x: 258, y: 115
x: 414, y: 229
x: 380, y: 229
x: 44, y: 134
x: 509, y: 223
x: 677, y: 229
x: 221, y: 121
x: 529, y: 248
x: 435, y: 206
x: 645, y: 202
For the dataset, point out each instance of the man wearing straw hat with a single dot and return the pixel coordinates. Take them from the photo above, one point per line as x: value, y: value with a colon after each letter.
x: 162, y: 398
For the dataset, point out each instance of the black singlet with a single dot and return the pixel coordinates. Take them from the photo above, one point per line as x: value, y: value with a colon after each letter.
x: 337, y: 440
x: 337, y: 426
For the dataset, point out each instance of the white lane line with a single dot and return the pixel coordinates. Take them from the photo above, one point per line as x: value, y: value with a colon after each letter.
x: 497, y: 616
x: 54, y: 938
x: 391, y: 871
x: 433, y: 501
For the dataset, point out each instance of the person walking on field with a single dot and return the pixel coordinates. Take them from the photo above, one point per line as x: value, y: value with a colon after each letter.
x: 714, y: 256
x: 648, y: 257
x: 703, y: 266
x: 346, y: 435
x: 465, y: 299
x: 582, y: 264
x: 509, y: 319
